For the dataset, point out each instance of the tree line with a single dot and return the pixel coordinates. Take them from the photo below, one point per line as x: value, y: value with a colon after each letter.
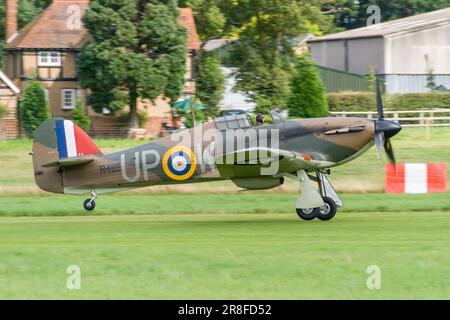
x: 139, y: 50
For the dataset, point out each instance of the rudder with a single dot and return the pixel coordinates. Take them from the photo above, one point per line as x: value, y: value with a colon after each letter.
x: 54, y: 140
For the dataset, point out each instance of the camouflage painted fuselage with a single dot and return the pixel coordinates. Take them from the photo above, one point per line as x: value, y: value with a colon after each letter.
x: 320, y: 143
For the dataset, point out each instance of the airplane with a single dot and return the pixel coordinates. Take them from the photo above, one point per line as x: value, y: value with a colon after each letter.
x: 67, y: 161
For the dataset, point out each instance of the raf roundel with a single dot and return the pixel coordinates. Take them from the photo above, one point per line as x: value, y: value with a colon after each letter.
x: 179, y: 163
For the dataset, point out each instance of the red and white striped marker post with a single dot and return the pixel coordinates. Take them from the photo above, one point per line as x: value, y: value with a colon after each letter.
x: 416, y: 178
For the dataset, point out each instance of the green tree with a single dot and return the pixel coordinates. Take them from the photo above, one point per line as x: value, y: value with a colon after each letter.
x: 139, y: 52
x: 33, y: 107
x: 372, y: 78
x: 210, y: 80
x: 190, y: 3
x: 263, y: 55
x: 431, y: 81
x: 80, y: 117
x: 308, y: 98
x: 210, y: 20
x: 210, y: 83
x: 28, y: 9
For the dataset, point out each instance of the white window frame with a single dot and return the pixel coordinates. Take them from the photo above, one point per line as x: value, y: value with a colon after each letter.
x: 49, y: 59
x: 63, y: 99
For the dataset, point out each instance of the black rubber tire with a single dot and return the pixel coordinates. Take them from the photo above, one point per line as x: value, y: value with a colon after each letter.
x: 88, y: 207
x: 331, y: 209
x: 307, y: 216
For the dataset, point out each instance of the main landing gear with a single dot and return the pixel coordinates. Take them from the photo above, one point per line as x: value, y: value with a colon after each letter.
x: 322, y: 205
x: 325, y: 213
x: 89, y: 204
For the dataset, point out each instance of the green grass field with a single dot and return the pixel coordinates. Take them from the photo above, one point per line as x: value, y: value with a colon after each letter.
x: 232, y: 203
x: 226, y: 256
x: 237, y: 246
x: 212, y: 242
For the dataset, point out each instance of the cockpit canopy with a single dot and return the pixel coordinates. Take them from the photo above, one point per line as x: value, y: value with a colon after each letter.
x: 240, y: 121
x: 243, y: 121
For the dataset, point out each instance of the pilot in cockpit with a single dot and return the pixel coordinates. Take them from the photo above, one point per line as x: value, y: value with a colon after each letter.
x: 260, y: 119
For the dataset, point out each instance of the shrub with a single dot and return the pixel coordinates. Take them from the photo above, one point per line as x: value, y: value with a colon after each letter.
x: 417, y: 101
x: 79, y: 116
x: 308, y: 97
x: 199, y: 117
x: 210, y: 83
x: 33, y: 107
x: 366, y: 101
x: 352, y: 101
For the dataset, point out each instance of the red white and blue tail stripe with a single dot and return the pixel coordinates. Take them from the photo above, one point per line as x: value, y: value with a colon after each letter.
x: 73, y: 141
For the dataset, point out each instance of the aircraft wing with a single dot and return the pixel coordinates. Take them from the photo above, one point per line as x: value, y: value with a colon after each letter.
x: 289, y: 161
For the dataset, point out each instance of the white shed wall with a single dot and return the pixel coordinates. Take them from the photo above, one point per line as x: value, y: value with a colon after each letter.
x: 405, y: 54
x: 415, y: 83
x: 329, y: 54
x: 365, y: 53
x: 362, y: 53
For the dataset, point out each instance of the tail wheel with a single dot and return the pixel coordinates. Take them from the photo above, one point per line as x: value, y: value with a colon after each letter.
x: 89, y: 205
x: 328, y: 211
x: 307, y: 214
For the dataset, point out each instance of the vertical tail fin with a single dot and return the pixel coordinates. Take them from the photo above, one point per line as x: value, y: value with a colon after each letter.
x: 54, y: 140
x: 73, y: 141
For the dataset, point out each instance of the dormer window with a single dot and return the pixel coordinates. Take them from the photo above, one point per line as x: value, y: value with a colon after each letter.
x: 49, y: 59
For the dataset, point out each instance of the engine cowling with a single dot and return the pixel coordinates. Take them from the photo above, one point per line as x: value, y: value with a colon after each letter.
x: 259, y: 183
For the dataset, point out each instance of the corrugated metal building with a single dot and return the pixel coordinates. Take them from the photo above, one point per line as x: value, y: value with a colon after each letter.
x: 403, y: 50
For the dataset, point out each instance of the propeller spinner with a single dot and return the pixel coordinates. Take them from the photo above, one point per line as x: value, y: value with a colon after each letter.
x: 384, y: 129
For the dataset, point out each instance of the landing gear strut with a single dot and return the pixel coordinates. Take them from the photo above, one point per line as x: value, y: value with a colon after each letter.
x: 89, y: 204
x: 327, y: 209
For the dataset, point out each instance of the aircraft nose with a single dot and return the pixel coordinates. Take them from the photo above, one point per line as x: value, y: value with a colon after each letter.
x: 389, y: 128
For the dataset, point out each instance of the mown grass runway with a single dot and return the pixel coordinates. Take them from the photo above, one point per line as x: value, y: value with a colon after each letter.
x: 233, y: 202
x: 226, y: 256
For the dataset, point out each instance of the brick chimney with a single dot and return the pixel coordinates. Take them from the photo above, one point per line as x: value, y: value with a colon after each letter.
x: 12, y: 25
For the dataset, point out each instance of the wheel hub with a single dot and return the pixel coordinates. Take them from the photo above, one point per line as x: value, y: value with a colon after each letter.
x: 325, y: 209
x: 308, y: 211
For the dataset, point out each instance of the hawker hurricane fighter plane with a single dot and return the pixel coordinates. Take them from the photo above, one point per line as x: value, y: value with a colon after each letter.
x: 254, y: 157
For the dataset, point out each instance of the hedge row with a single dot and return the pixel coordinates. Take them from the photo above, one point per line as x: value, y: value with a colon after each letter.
x: 366, y: 101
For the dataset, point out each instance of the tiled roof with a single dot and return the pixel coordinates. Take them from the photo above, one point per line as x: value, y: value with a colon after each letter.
x: 409, y: 24
x: 186, y: 19
x: 53, y: 28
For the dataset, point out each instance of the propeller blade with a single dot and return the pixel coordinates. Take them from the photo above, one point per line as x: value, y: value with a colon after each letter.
x: 379, y: 143
x: 389, y: 151
x: 380, y: 107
